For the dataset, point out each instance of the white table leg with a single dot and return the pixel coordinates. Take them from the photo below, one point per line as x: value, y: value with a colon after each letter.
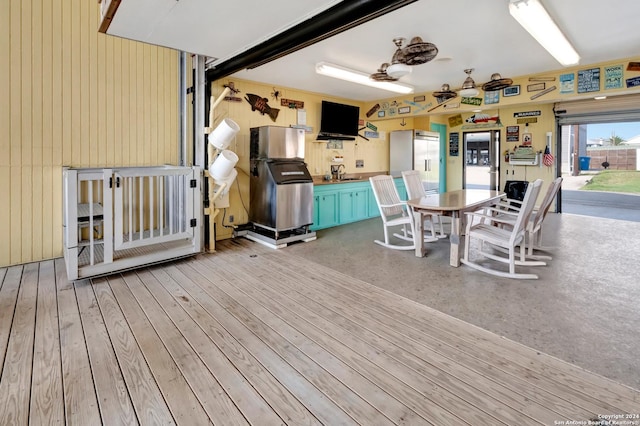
x: 418, y: 236
x: 454, y: 256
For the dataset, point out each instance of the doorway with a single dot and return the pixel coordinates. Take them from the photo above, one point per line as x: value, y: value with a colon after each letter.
x: 481, y: 168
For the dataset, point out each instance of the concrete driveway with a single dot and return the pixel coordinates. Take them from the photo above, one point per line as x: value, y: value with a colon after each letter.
x: 612, y: 205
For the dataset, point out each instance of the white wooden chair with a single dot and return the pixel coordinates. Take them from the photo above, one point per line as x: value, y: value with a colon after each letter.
x: 393, y: 211
x: 413, y: 185
x: 508, y: 239
x: 534, y: 227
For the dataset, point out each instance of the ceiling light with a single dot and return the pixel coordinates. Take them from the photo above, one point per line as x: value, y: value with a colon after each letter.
x: 469, y: 86
x: 346, y: 74
x: 535, y: 19
x: 398, y: 70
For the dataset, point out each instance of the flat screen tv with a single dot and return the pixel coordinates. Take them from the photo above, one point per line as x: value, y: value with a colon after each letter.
x: 338, y: 121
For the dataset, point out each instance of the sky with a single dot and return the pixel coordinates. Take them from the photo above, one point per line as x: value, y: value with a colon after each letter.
x: 625, y: 130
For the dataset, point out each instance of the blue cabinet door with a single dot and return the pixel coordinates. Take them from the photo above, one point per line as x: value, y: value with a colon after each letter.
x: 327, y: 207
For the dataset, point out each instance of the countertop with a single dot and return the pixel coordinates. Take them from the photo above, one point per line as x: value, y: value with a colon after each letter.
x: 348, y: 178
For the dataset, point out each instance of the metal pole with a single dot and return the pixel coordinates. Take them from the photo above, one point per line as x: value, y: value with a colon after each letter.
x: 182, y: 107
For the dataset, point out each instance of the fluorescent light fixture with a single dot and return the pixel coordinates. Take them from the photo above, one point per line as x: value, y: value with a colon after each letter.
x: 346, y: 74
x: 535, y: 19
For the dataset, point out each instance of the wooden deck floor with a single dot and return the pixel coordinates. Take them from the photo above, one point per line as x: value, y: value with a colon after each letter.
x: 256, y: 336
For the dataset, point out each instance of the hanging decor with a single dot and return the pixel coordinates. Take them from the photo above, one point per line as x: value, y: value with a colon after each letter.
x: 261, y: 104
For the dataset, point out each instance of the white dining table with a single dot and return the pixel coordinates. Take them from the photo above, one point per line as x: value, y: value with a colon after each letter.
x: 454, y: 204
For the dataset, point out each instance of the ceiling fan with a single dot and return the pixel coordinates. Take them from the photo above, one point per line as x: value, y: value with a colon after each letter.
x: 417, y: 52
x: 496, y: 83
x: 469, y: 88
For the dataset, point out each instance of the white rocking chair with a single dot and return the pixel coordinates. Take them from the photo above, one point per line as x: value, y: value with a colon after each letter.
x: 393, y: 211
x: 534, y: 227
x: 500, y: 237
x: 413, y: 185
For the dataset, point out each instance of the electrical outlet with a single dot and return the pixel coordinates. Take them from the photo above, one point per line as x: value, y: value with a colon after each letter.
x: 230, y: 218
x: 359, y: 163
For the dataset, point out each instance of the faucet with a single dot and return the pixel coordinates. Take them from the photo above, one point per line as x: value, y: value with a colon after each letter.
x: 337, y: 171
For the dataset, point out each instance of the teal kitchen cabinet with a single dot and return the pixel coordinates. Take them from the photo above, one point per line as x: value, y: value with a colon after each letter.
x: 325, y: 210
x: 354, y: 204
x: 341, y: 203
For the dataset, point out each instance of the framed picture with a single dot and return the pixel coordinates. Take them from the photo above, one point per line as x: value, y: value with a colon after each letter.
x: 381, y: 114
x: 526, y: 139
x: 404, y: 110
x: 511, y: 90
x: 419, y: 98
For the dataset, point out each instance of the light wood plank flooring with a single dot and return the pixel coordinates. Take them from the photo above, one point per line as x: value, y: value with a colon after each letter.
x: 251, y: 335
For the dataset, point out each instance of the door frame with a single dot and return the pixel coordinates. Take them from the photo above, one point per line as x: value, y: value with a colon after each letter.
x: 494, y: 156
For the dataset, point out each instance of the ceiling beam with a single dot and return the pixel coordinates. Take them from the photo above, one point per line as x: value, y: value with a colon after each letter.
x: 341, y: 17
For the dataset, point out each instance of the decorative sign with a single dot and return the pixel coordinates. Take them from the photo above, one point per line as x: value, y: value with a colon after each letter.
x: 260, y: 104
x: 542, y: 79
x: 511, y: 90
x: 567, y: 83
x: 471, y: 101
x: 455, y: 120
x: 535, y: 87
x: 291, y: 103
x: 381, y: 114
x: 360, y: 122
x: 373, y: 110
x: 527, y: 114
x: 613, y: 77
x: 371, y: 135
x: 589, y: 80
x: 526, y: 139
x: 492, y: 97
x: 633, y: 82
x: 419, y: 98
x: 544, y: 92
x: 454, y: 142
x: 404, y: 110
x: 633, y: 66
x: 527, y: 120
x: 232, y: 99
x: 372, y: 127
x: 513, y: 133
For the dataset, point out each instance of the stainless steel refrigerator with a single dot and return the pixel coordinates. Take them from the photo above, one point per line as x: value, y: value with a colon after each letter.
x: 416, y: 150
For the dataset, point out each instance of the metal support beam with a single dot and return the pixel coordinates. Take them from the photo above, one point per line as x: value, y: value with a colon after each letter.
x: 341, y: 17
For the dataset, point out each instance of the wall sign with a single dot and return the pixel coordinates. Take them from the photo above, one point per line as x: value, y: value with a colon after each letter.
x: 513, y: 133
x: 527, y: 114
x: 589, y: 80
x: 633, y: 82
x: 455, y: 120
x: 471, y: 101
x: 454, y: 142
x: 291, y: 103
x: 567, y: 83
x: 613, y: 77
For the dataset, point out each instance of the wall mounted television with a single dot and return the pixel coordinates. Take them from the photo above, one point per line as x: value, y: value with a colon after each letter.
x: 338, y: 121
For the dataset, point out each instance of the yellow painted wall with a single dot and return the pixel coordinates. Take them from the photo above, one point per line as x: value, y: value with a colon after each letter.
x: 72, y: 97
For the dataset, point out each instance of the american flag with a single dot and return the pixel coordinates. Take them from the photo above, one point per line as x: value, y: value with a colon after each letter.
x: 547, y: 158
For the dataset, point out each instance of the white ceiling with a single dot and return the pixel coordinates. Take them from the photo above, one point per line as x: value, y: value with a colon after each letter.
x: 476, y: 34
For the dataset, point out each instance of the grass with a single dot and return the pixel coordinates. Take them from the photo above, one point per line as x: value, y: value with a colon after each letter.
x: 615, y: 181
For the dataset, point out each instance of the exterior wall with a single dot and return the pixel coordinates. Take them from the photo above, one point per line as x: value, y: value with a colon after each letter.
x: 72, y: 97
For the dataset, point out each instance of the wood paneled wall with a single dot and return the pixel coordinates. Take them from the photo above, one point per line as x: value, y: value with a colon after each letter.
x: 70, y: 96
